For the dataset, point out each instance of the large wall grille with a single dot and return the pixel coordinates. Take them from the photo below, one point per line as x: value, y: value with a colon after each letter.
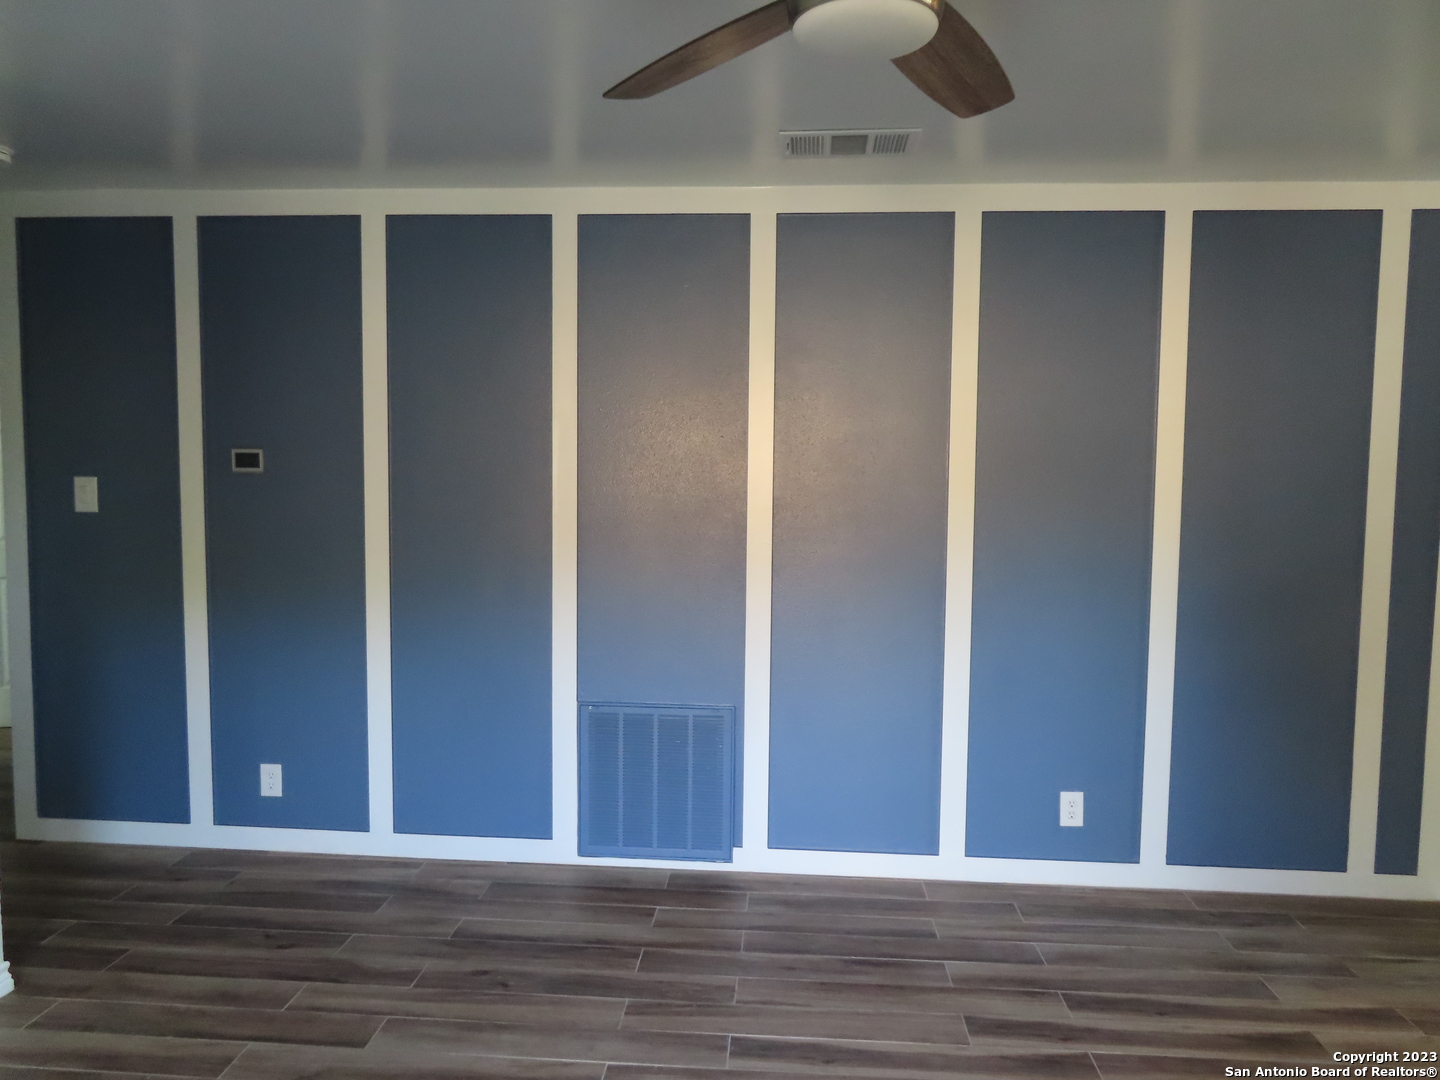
x: 656, y: 781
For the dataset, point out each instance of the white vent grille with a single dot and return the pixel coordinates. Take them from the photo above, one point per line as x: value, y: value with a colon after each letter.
x: 891, y: 142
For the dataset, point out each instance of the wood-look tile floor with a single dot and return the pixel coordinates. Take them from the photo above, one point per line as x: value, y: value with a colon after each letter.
x: 157, y: 962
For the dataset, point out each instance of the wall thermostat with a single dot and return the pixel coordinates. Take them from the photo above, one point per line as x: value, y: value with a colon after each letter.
x: 247, y: 460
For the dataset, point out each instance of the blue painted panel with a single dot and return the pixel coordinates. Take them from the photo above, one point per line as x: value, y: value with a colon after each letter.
x: 97, y: 327
x: 280, y: 345
x: 664, y: 353
x: 1282, y: 342
x: 1416, y: 547
x: 862, y: 412
x: 1069, y: 335
x: 470, y: 360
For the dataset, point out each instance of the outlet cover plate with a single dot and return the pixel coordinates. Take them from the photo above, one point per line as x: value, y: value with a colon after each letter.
x: 1072, y: 809
x: 271, y: 783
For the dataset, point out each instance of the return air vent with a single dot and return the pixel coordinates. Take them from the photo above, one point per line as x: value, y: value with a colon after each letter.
x: 656, y: 781
x: 883, y: 143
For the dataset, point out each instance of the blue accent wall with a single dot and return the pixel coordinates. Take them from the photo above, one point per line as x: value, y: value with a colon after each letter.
x: 281, y: 353
x: 664, y: 354
x: 1416, y: 547
x: 97, y: 327
x: 1282, y: 342
x: 862, y: 413
x: 1065, y: 464
x: 470, y: 509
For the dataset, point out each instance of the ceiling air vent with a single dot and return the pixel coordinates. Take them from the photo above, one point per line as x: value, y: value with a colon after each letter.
x: 813, y: 144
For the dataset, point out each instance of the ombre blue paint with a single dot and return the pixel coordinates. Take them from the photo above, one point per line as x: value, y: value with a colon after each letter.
x: 1069, y: 336
x: 862, y: 412
x: 470, y: 361
x: 280, y: 349
x: 1416, y: 547
x: 97, y: 332
x: 1282, y: 344
x: 664, y: 330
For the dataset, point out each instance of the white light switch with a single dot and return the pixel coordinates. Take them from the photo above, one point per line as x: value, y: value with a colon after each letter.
x: 270, y: 785
x: 1072, y: 809
x: 87, y: 495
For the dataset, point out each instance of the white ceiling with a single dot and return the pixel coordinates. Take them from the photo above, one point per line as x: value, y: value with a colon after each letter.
x: 383, y: 92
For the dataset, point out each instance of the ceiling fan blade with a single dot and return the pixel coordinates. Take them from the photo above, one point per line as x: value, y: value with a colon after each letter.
x: 957, y: 69
x: 707, y: 51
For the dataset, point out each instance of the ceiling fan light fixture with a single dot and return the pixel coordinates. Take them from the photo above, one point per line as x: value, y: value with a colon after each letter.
x: 882, y: 29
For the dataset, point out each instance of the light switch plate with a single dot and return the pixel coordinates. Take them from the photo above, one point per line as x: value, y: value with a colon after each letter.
x: 270, y: 781
x: 1072, y: 809
x: 87, y: 495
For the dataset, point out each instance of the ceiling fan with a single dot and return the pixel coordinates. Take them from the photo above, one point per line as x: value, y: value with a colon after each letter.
x: 928, y: 40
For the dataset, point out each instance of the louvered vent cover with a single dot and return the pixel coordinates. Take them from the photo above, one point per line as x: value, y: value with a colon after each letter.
x: 656, y: 781
x: 889, y: 142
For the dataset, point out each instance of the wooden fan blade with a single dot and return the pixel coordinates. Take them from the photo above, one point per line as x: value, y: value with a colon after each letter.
x: 707, y: 51
x: 957, y: 69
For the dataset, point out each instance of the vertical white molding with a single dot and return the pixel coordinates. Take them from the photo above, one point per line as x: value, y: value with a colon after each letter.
x: 1165, y: 538
x: 565, y: 466
x: 376, y: 421
x: 192, y: 517
x: 1379, y: 538
x: 1429, y: 862
x: 759, y: 535
x: 960, y: 533
x: 17, y: 539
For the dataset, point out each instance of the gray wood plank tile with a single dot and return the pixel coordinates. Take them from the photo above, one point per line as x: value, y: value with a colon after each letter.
x: 210, y: 1022
x: 618, y: 877
x: 1219, y: 1015
x: 110, y: 911
x: 363, y: 866
x: 1060, y: 911
x: 893, y: 948
x: 1123, y: 956
x: 500, y: 953
x: 804, y: 1023
x: 1154, y: 937
x: 117, y: 1052
x: 786, y: 923
x: 793, y: 884
x: 1115, y: 980
x: 435, y: 1004
x: 898, y: 1060
x: 943, y: 1000
x: 177, y: 989
x: 213, y: 938
x: 866, y: 905
x: 62, y: 955
x: 992, y: 1031
x: 19, y: 1009
x: 229, y: 895
x: 384, y: 921
x: 376, y: 971
x: 612, y: 934
x: 20, y: 929
x: 578, y: 983
x: 825, y: 968
x: 313, y: 1063
x: 526, y: 910
x: 595, y: 894
x: 529, y: 1040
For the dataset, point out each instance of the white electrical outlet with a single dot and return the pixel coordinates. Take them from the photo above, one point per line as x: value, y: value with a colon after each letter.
x: 1072, y: 809
x: 87, y: 495
x: 270, y: 784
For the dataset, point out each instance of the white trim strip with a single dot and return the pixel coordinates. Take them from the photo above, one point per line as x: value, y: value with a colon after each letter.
x: 1379, y: 538
x: 565, y: 466
x: 192, y: 518
x: 376, y: 421
x: 1165, y: 537
x: 17, y: 543
x: 960, y: 536
x: 759, y: 535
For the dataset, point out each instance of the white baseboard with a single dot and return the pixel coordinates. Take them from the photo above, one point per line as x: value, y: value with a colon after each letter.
x: 7, y: 982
